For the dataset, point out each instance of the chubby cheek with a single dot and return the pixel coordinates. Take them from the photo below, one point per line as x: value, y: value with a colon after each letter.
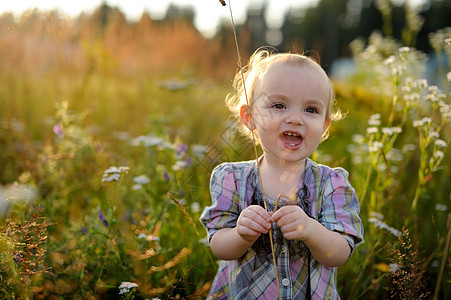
x: 261, y: 124
x: 267, y: 120
x: 316, y: 134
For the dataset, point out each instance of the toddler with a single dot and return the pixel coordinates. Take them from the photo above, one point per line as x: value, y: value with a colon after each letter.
x: 317, y: 225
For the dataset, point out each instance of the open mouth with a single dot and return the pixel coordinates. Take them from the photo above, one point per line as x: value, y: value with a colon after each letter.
x: 291, y: 139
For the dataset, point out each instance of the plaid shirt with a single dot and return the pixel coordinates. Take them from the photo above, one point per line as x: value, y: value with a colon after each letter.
x: 324, y: 193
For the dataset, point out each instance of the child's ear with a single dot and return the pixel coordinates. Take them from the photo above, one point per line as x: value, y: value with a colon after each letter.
x: 246, y: 117
x: 326, y: 125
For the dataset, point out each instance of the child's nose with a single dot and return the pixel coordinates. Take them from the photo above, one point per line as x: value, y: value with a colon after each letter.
x: 294, y: 116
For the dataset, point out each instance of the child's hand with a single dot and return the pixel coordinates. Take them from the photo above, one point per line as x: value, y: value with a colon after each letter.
x: 293, y: 222
x: 252, y: 222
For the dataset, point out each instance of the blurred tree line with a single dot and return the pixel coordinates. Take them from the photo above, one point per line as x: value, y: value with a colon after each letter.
x: 328, y: 27
x: 42, y: 39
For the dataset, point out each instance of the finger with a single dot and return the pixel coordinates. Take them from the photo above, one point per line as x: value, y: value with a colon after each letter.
x: 276, y: 216
x: 284, y: 220
x: 290, y: 215
x: 293, y: 210
x: 260, y: 211
x: 255, y: 223
x: 281, y: 212
x: 290, y: 226
x: 259, y: 215
x: 245, y: 231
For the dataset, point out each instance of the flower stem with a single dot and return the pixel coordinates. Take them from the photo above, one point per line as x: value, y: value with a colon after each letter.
x: 444, y: 259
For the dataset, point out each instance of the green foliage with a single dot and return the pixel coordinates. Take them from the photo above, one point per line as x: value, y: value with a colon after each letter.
x: 8, y: 270
x: 399, y: 167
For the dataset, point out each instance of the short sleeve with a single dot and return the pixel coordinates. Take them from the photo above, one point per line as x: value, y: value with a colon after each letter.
x: 340, y: 208
x: 224, y: 209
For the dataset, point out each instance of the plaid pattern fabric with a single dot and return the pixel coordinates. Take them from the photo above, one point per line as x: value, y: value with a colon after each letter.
x: 324, y: 193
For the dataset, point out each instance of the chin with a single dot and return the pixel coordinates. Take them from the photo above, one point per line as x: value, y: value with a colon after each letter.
x: 292, y: 158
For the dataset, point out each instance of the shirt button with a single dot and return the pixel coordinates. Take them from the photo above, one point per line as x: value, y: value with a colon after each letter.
x: 286, y: 282
x: 284, y: 249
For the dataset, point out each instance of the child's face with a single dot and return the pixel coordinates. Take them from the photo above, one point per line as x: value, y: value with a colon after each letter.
x: 289, y: 110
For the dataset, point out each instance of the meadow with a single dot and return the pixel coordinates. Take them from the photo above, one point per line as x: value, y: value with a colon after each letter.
x: 106, y: 152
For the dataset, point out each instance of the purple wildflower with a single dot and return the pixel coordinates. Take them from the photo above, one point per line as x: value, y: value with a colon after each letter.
x: 102, y: 218
x: 18, y: 257
x: 166, y: 176
x: 181, y: 150
x: 58, y: 130
x: 188, y: 161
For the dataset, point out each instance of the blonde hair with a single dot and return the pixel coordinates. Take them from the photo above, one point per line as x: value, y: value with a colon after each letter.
x: 254, y: 71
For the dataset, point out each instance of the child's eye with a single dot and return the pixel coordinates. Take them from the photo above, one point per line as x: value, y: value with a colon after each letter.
x: 311, y: 110
x: 278, y: 106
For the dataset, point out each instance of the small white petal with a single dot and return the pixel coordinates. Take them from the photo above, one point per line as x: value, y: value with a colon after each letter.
x: 141, y: 179
x: 440, y: 143
x: 371, y: 130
